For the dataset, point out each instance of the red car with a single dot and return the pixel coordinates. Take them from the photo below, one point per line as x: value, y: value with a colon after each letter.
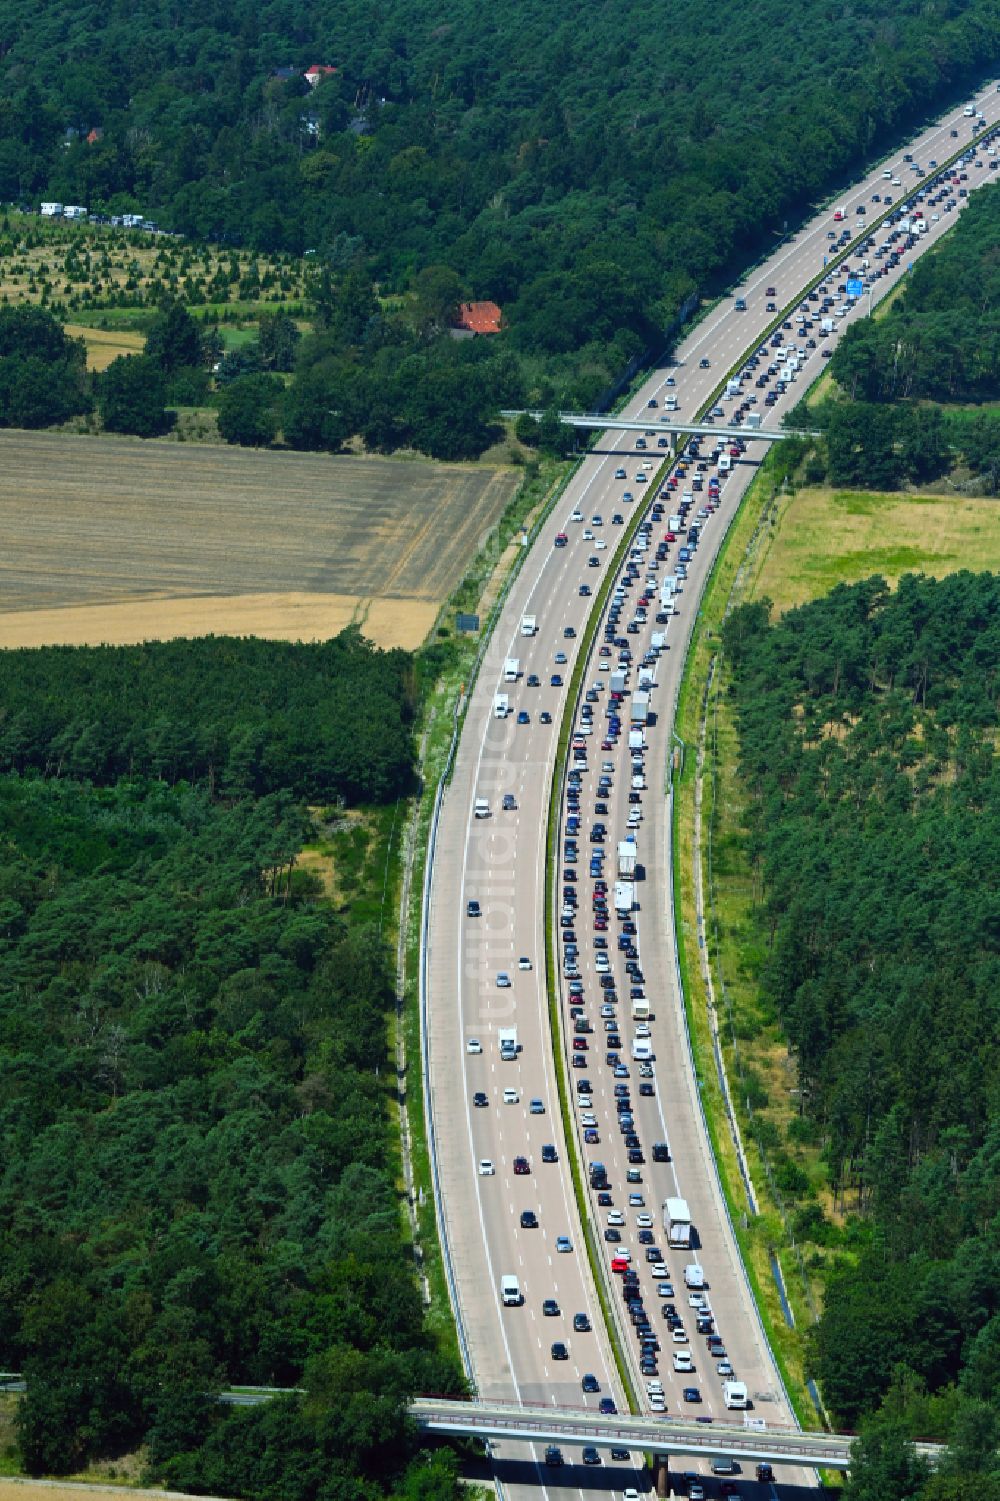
x: 521, y: 1166
x: 670, y: 536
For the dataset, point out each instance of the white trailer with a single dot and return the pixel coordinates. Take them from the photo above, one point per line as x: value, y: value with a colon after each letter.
x: 626, y: 859
x: 501, y: 706
x: 529, y: 625
x: 507, y: 1038
x: 624, y: 897
x: 511, y: 670
x: 51, y: 210
x: 639, y: 711
x: 677, y: 1222
x: 735, y: 1394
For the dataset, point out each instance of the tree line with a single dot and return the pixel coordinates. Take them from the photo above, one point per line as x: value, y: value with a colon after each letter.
x: 867, y: 724
x: 325, y: 720
x: 587, y: 200
x: 197, y: 1164
x: 911, y: 380
x: 197, y: 1182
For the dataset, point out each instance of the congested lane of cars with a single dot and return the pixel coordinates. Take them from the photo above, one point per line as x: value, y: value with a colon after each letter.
x: 500, y: 860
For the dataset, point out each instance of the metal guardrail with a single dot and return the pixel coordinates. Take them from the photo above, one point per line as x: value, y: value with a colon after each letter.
x: 422, y: 985
x: 439, y: 795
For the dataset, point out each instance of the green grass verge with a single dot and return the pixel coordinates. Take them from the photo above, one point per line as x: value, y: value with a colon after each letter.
x: 757, y: 1238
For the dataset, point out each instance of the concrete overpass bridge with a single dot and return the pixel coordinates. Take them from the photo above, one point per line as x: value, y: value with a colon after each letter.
x: 750, y: 1442
x: 670, y: 426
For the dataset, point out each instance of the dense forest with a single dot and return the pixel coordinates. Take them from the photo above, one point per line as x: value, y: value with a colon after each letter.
x: 914, y: 383
x: 585, y: 172
x: 197, y: 1171
x: 867, y: 728
x: 327, y: 720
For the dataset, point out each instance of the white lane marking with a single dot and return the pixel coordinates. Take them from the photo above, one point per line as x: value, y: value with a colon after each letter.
x: 587, y: 487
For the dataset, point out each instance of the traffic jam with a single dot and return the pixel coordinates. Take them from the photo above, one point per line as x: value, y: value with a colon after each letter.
x: 608, y: 1010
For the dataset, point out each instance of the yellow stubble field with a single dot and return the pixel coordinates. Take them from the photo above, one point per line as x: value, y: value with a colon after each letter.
x: 118, y: 540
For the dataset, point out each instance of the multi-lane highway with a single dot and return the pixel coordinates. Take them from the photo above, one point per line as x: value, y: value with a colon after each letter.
x: 485, y: 932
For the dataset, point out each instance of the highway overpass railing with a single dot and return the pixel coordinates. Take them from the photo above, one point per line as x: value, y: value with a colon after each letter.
x: 752, y: 1441
x: 669, y: 427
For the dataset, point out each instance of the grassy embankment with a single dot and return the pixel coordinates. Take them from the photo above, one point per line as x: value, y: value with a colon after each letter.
x: 789, y: 546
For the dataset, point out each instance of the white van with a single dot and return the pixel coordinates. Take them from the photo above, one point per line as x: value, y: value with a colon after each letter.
x: 481, y: 808
x: 694, y: 1277
x: 501, y: 706
x: 510, y: 1291
x: 642, y: 1050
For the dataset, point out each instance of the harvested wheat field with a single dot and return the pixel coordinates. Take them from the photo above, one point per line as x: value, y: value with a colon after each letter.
x: 103, y: 346
x: 116, y: 540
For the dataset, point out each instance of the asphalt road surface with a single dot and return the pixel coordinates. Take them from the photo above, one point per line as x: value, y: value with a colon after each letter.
x: 498, y: 861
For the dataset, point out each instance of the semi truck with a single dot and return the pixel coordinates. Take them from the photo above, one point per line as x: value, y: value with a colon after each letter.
x: 511, y: 670
x: 639, y: 712
x: 624, y: 897
x: 677, y: 1222
x: 529, y: 625
x: 626, y: 859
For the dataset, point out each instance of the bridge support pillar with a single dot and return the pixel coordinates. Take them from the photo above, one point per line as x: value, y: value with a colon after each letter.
x: 661, y: 1474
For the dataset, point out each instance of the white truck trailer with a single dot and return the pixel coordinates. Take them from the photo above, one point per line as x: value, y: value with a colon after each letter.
x: 624, y: 897
x: 626, y: 859
x: 507, y: 1038
x: 677, y: 1222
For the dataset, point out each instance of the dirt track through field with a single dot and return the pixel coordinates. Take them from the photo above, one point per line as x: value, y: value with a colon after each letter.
x: 118, y: 540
